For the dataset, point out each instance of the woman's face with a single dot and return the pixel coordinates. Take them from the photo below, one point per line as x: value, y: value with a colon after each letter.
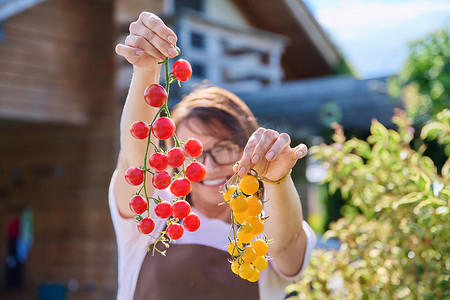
x: 218, y: 157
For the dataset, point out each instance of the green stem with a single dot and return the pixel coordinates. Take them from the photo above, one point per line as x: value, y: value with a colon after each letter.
x: 144, y: 185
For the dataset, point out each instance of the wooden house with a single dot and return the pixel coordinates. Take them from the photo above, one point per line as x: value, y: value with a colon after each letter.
x: 58, y: 145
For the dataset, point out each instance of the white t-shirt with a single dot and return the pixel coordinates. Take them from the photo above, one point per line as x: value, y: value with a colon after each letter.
x: 132, y: 249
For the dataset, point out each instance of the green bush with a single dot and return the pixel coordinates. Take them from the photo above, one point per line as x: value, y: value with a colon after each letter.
x: 424, y: 80
x: 394, y: 234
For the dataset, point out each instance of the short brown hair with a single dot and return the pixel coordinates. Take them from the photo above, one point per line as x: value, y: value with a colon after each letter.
x: 208, y: 104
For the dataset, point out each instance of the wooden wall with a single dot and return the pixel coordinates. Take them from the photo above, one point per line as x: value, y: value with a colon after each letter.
x: 58, y: 144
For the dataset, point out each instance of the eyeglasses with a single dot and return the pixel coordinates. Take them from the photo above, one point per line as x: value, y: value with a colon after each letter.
x: 222, y: 155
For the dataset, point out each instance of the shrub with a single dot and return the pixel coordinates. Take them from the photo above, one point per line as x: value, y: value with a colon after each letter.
x: 394, y: 234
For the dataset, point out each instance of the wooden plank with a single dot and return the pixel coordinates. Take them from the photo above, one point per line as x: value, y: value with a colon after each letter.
x: 41, y: 30
x: 18, y: 109
x: 59, y: 85
x: 19, y: 63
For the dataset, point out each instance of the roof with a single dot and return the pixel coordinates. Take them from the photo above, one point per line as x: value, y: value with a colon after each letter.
x: 309, y: 53
x: 303, y: 108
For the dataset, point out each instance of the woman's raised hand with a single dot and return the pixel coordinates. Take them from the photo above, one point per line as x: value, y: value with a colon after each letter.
x: 269, y: 153
x: 149, y: 42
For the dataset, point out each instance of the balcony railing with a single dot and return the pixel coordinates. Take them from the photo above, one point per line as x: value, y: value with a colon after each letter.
x: 236, y: 59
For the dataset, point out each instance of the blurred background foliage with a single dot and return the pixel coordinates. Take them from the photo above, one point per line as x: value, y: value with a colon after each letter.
x: 394, y: 231
x: 424, y: 80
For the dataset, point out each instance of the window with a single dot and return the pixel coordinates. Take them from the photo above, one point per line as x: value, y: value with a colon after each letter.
x: 197, y: 5
x: 198, y: 70
x: 197, y: 40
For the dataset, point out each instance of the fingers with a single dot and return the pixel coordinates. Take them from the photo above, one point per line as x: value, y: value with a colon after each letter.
x: 151, y: 36
x: 156, y: 33
x: 300, y: 151
x: 248, y: 151
x: 140, y: 42
x: 266, y: 144
x: 130, y: 53
x: 154, y: 23
x: 281, y: 141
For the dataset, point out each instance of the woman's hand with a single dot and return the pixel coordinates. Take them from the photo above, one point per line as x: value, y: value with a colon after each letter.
x: 269, y: 153
x: 149, y: 42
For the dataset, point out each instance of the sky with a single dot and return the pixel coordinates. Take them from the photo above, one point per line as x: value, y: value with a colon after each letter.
x: 373, y: 35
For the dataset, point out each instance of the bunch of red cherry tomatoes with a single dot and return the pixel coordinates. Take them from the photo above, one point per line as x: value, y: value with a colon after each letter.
x: 182, y: 154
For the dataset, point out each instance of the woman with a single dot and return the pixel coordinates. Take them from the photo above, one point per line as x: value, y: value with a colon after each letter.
x: 196, y: 266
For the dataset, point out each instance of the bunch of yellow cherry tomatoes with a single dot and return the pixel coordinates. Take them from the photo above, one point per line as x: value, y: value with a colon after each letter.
x: 248, y: 246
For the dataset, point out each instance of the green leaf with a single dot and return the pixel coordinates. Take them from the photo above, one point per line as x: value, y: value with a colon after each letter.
x: 407, y: 199
x: 445, y: 169
x: 447, y: 150
x: 427, y: 163
x: 332, y: 187
x: 363, y: 149
x: 349, y: 145
x: 431, y: 201
x: 424, y: 183
x: 378, y: 129
x: 432, y: 130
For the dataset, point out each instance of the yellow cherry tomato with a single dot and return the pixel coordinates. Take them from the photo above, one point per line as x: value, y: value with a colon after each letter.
x: 260, y: 247
x: 257, y: 225
x: 244, y: 237
x: 260, y: 263
x: 246, y: 227
x: 232, y: 249
x: 229, y: 193
x: 254, y: 206
x: 239, y: 204
x: 249, y: 255
x: 246, y: 271
x: 249, y: 184
x: 255, y: 276
x: 240, y: 218
x: 235, y: 267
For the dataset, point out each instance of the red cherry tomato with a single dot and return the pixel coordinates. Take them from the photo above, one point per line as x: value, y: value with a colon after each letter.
x: 193, y: 147
x: 191, y: 222
x: 163, y: 128
x: 155, y: 95
x: 158, y: 161
x: 195, y: 172
x: 181, y: 209
x: 176, y: 157
x: 146, y: 225
x: 180, y: 187
x: 163, y: 209
x: 174, y: 231
x: 138, y: 204
x: 139, y: 130
x: 134, y: 176
x: 182, y: 70
x: 161, y: 180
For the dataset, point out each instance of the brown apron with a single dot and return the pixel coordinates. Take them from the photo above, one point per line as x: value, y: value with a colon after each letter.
x: 191, y: 272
